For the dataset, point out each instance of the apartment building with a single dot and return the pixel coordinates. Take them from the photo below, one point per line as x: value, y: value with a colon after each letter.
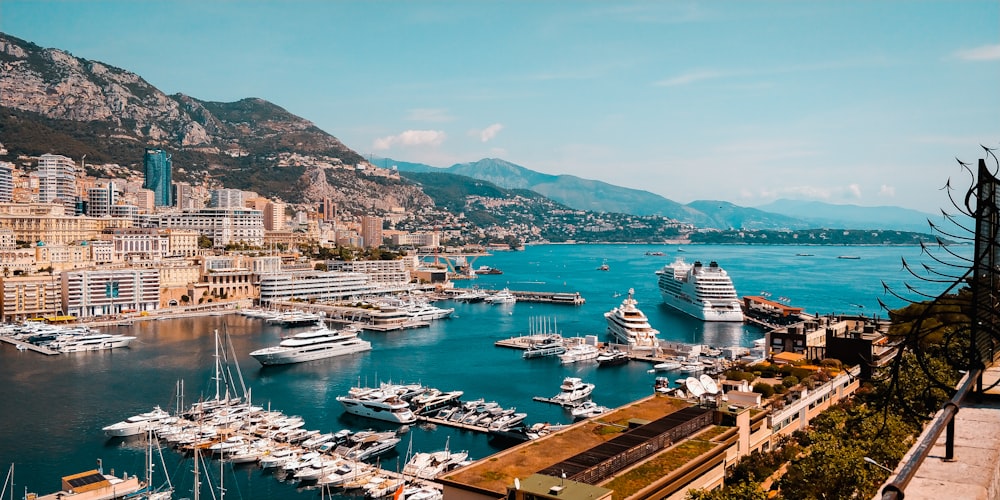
x: 92, y: 293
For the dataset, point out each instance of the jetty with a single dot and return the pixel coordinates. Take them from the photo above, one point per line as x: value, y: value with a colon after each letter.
x: 27, y: 346
x: 570, y: 298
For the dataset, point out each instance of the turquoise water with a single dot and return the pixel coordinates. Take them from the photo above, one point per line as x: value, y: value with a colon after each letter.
x: 54, y: 407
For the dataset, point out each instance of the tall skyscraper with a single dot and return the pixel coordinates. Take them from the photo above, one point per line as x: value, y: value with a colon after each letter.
x: 57, y: 180
x: 371, y: 231
x: 159, y: 177
x: 6, y: 182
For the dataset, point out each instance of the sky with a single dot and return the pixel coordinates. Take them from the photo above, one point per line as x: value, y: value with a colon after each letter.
x: 849, y: 102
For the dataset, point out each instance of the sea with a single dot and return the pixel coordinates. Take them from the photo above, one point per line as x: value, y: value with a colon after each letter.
x: 52, y: 408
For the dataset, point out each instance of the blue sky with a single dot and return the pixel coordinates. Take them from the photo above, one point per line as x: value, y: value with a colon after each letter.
x: 859, y: 102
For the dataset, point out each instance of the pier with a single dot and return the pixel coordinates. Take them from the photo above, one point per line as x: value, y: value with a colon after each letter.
x: 571, y: 298
x: 451, y: 423
x: 27, y: 346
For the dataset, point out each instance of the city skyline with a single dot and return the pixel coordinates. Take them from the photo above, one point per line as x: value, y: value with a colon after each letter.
x: 865, y: 103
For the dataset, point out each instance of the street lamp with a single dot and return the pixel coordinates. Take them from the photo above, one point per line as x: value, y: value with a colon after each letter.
x: 876, y: 464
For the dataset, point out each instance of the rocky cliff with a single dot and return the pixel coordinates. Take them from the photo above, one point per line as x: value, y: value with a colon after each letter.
x: 54, y: 102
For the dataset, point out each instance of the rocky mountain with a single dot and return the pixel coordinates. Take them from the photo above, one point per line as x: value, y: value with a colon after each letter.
x: 51, y: 101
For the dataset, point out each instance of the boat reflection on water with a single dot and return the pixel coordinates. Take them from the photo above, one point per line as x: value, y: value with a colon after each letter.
x: 723, y: 334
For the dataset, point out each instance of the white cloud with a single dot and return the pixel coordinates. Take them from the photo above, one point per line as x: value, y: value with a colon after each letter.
x: 855, y: 190
x: 411, y: 138
x: 887, y: 191
x: 490, y: 132
x: 690, y: 77
x: 432, y: 115
x: 984, y: 53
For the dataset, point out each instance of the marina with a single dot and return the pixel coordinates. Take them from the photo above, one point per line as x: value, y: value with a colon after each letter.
x: 455, y: 353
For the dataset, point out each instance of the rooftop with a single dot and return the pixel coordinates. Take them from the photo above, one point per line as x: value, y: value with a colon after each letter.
x: 497, y: 472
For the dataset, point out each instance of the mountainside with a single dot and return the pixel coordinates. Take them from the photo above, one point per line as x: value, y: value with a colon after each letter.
x: 726, y: 215
x: 819, y: 214
x: 55, y: 102
x: 572, y: 191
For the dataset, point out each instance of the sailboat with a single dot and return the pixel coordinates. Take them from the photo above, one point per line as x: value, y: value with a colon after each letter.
x: 163, y: 492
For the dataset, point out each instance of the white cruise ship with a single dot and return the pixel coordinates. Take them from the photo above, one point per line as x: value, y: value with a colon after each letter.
x: 317, y: 343
x: 628, y: 325
x: 382, y: 403
x: 707, y: 293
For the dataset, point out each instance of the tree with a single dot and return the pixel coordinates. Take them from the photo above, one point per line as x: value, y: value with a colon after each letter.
x: 743, y: 490
x: 205, y: 241
x: 764, y: 389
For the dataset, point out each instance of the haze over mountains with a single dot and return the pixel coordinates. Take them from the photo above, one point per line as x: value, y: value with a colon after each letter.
x: 53, y: 102
x: 586, y: 194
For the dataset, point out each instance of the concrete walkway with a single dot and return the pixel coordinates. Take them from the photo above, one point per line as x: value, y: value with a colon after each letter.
x: 975, y: 472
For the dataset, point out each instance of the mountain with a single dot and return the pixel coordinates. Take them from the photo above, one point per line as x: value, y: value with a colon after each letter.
x: 53, y: 102
x: 569, y: 190
x: 725, y: 215
x: 819, y: 214
x: 584, y: 194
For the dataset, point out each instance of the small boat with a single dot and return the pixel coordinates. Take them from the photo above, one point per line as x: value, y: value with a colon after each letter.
x: 612, y: 358
x: 604, y: 266
x: 849, y: 257
x: 667, y: 366
x: 588, y: 409
x: 488, y: 270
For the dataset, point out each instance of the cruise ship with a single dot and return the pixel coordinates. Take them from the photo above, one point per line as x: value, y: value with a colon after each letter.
x: 628, y: 325
x: 316, y: 343
x: 707, y: 293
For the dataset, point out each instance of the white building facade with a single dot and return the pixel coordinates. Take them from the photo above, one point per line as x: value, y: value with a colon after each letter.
x: 87, y: 294
x: 315, y: 285
x: 222, y: 225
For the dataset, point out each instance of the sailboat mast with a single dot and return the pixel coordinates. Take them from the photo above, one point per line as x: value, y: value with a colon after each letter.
x: 218, y: 366
x: 197, y: 480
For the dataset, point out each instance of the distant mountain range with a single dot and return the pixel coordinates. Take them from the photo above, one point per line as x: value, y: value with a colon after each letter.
x: 585, y: 194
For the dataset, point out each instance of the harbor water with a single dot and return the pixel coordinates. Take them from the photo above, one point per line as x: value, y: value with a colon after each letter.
x: 53, y: 407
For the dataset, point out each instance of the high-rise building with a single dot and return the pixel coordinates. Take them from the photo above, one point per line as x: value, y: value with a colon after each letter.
x: 371, y: 231
x: 100, y: 199
x: 328, y: 210
x: 6, y: 181
x: 57, y: 180
x: 158, y: 177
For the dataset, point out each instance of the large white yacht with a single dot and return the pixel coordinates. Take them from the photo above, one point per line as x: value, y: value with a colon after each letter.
x: 628, y: 325
x: 572, y: 390
x: 423, y: 311
x: 502, y: 297
x: 93, y: 341
x: 381, y: 403
x: 136, y: 424
x: 579, y: 352
x: 316, y: 343
x: 707, y: 293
